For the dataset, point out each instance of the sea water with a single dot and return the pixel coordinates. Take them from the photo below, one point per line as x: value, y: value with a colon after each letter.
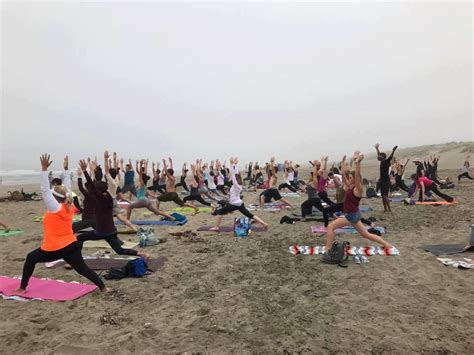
x: 21, y: 177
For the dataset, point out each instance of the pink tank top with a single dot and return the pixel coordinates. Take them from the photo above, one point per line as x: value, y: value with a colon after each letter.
x: 351, y: 202
x: 321, y: 184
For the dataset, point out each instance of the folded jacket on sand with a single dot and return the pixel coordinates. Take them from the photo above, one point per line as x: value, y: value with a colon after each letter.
x: 51, y: 290
x: 463, y: 263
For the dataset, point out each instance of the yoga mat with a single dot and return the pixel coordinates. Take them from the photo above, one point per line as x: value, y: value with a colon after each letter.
x: 227, y: 229
x: 309, y: 218
x: 10, y: 233
x: 189, y: 209
x: 437, y: 203
x: 126, y: 231
x: 106, y: 263
x: 352, y: 251
x: 448, y: 249
x: 103, y: 244
x: 290, y: 194
x: 154, y: 223
x: 51, y: 290
x: 396, y: 199
x: 349, y: 229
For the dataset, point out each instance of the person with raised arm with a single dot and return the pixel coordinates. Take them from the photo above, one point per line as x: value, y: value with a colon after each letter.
x: 105, y: 226
x: 235, y: 202
x: 465, y: 170
x: 129, y: 179
x: 182, y: 179
x: 322, y: 175
x: 384, y: 179
x: 313, y: 198
x: 272, y: 190
x: 170, y: 194
x: 195, y: 195
x: 113, y: 180
x: 59, y: 241
x: 352, y: 217
x: 288, y: 176
x: 142, y: 199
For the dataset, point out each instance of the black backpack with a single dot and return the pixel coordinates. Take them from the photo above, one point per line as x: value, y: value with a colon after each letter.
x: 287, y: 220
x: 370, y: 192
x: 337, y: 254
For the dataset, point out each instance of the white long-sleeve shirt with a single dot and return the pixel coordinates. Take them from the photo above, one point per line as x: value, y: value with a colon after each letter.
x: 235, y: 190
x: 52, y: 205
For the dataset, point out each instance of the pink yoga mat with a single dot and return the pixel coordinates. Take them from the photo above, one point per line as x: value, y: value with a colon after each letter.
x: 51, y: 290
x: 227, y: 229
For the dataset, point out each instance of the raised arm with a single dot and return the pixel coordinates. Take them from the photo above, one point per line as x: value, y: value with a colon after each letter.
x: 233, y: 171
x: 106, y: 162
x: 115, y: 160
x: 359, y: 187
x: 67, y: 175
x: 80, y: 184
x: 377, y: 146
x: 344, y: 172
x: 393, y: 152
x: 171, y: 163
x: 49, y: 201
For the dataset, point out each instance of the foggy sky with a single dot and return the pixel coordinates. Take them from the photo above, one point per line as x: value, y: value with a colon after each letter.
x: 231, y: 79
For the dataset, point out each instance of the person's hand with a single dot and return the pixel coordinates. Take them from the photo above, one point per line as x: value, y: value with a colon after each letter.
x: 395, y: 148
x: 236, y: 161
x: 106, y: 155
x: 359, y: 158
x: 93, y: 165
x: 45, y: 162
x: 377, y: 145
x: 343, y: 159
x: 83, y: 165
x: 79, y: 172
x: 121, y: 161
x: 66, y: 163
x: 114, y: 155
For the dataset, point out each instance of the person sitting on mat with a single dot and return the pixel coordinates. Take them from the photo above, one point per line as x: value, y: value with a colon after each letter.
x: 235, y: 202
x: 354, y: 189
x: 59, y: 242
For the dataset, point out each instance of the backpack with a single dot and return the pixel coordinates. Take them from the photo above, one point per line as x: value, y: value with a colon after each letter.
x: 370, y: 192
x: 147, y: 237
x: 242, y: 227
x: 337, y: 254
x: 134, y: 268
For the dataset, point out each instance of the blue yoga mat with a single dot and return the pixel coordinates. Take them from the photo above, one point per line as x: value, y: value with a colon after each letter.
x: 153, y: 223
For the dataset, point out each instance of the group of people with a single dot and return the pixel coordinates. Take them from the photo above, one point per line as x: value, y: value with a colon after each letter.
x: 104, y: 198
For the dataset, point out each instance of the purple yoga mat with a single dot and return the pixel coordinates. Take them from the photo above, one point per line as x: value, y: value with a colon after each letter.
x: 227, y: 229
x: 51, y: 290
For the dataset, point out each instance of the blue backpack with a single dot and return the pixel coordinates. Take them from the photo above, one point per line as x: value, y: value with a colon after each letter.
x: 180, y: 219
x: 136, y: 267
x: 242, y: 227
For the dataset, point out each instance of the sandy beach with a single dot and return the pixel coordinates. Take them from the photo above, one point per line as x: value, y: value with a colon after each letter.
x: 219, y: 293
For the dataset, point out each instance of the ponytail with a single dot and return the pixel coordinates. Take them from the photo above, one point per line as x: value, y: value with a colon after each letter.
x: 69, y: 200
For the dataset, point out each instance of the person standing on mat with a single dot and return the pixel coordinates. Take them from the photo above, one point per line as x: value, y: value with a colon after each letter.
x: 129, y: 179
x: 88, y: 213
x: 272, y: 190
x: 384, y: 175
x: 354, y: 188
x: 182, y: 179
x: 322, y: 176
x: 104, y: 217
x: 235, y: 202
x: 313, y: 198
x: 59, y: 241
x: 170, y: 194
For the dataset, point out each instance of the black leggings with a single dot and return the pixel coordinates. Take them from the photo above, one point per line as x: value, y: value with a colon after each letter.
x: 289, y: 187
x: 323, y: 195
x: 85, y: 223
x: 110, y: 238
x: 400, y: 183
x: 197, y: 198
x: 231, y: 208
x: 71, y: 254
x: 329, y: 211
x: 435, y: 189
x: 183, y: 184
x: 466, y: 175
x: 221, y: 189
x: 307, y: 206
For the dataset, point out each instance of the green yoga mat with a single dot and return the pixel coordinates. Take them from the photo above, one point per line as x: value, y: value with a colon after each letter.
x: 40, y: 218
x: 189, y: 209
x: 10, y: 233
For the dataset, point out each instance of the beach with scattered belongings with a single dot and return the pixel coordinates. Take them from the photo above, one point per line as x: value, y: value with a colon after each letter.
x: 264, y: 292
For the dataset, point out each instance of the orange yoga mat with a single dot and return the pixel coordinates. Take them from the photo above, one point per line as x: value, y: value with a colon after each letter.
x: 437, y: 203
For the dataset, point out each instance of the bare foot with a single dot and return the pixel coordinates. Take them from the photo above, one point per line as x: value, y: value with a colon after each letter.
x: 106, y: 290
x: 20, y: 290
x: 265, y: 227
x: 144, y: 255
x: 214, y: 229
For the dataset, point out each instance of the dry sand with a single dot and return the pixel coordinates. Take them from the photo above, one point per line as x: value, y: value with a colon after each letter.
x: 218, y: 293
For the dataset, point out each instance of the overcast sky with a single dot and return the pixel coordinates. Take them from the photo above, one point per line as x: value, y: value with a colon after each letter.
x: 219, y: 79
